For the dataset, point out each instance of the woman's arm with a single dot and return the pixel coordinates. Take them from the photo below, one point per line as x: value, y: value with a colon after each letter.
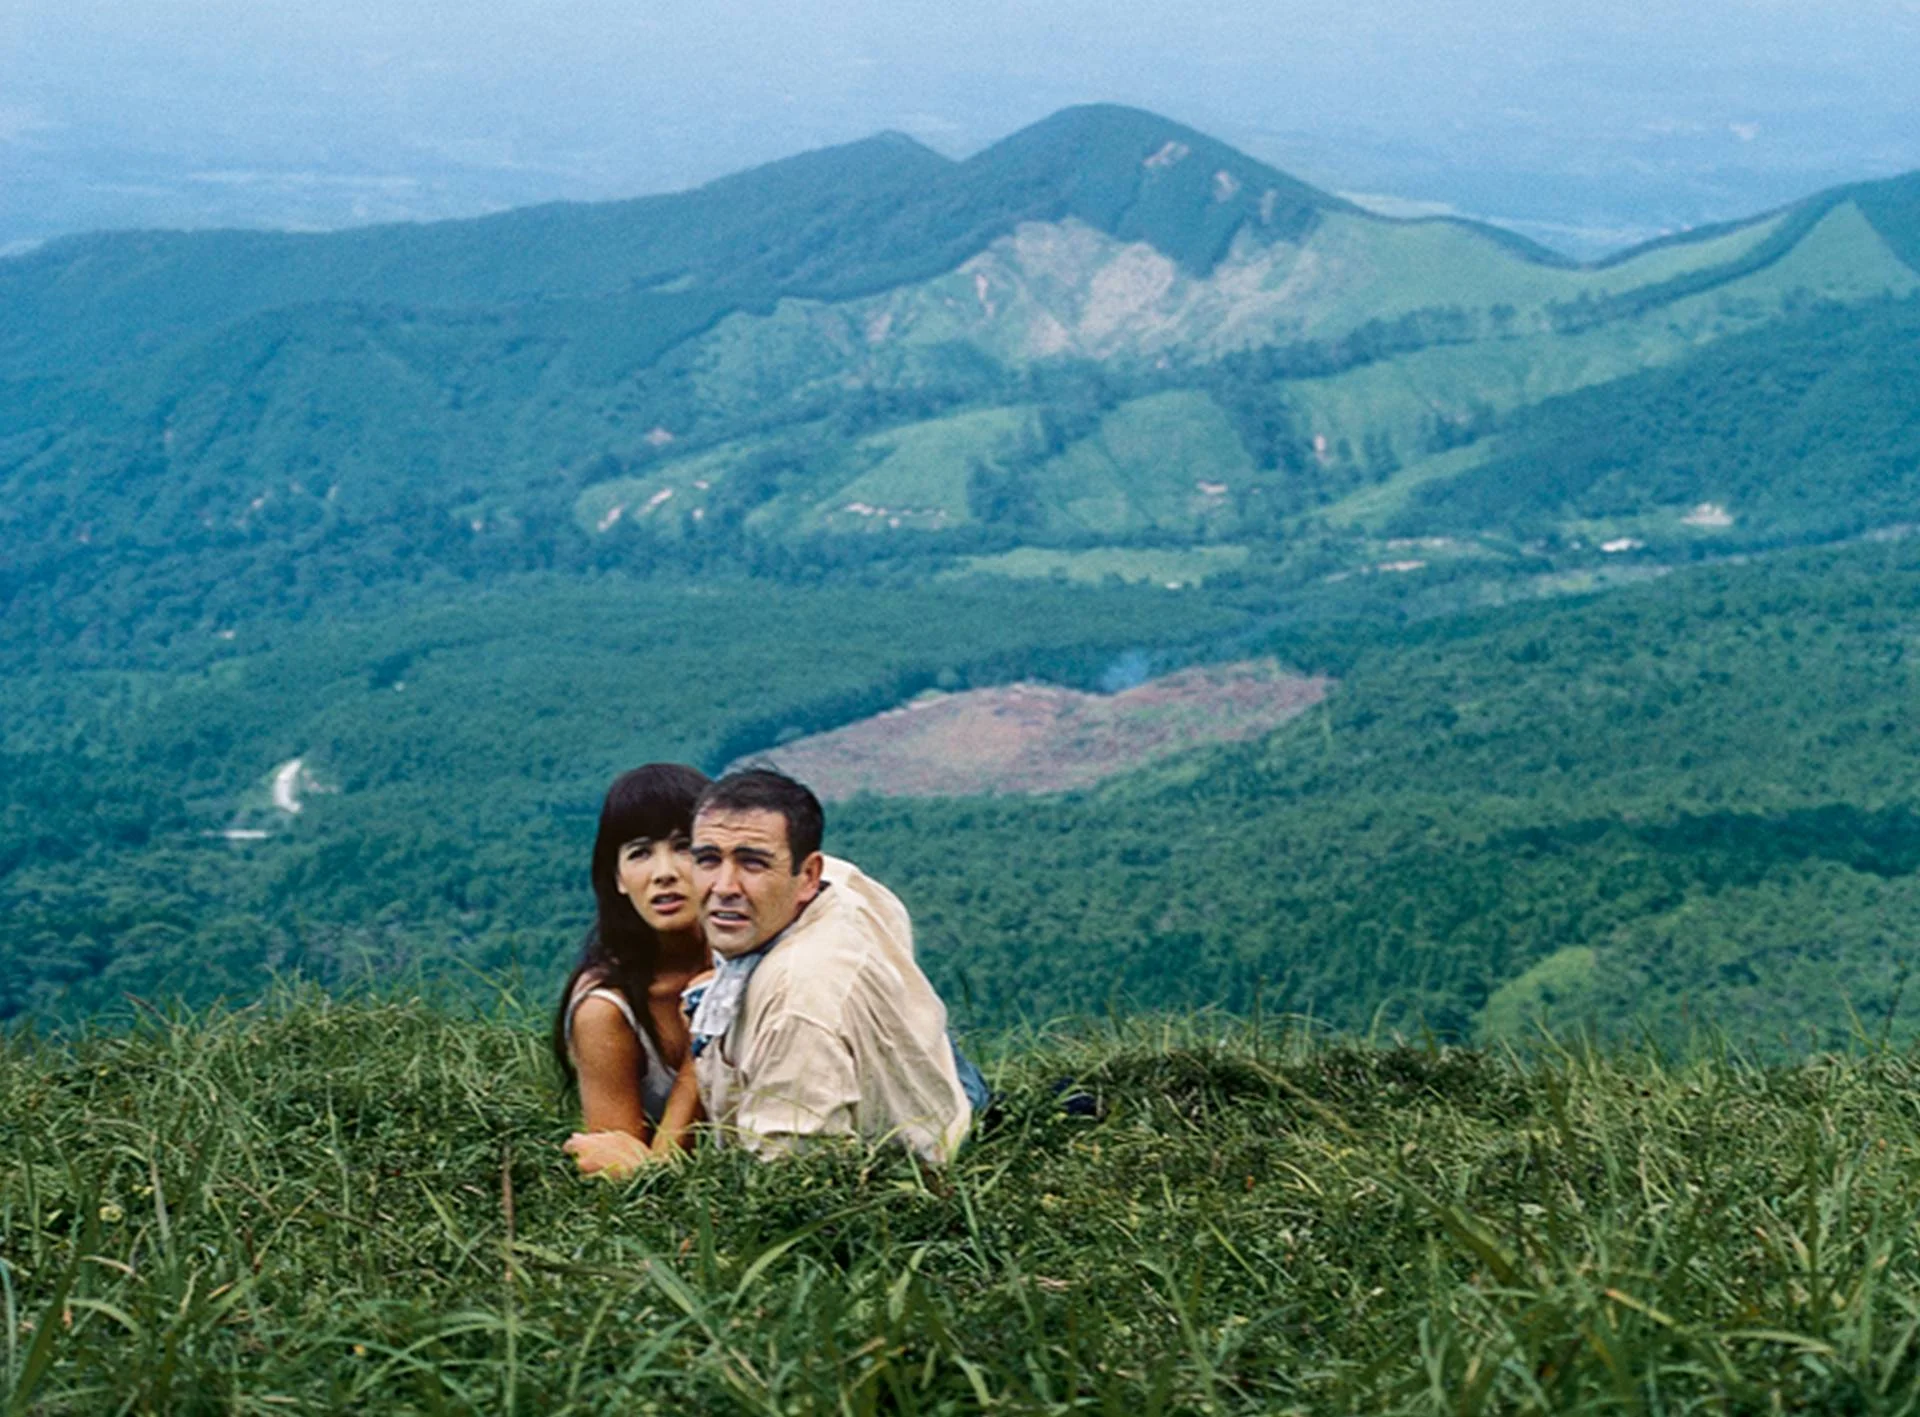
x: 613, y: 1131
x: 682, y: 1111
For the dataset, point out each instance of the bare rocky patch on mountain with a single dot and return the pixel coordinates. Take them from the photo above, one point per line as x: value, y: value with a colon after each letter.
x: 1035, y: 738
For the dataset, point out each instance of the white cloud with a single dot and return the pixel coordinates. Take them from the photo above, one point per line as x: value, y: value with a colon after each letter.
x: 297, y: 179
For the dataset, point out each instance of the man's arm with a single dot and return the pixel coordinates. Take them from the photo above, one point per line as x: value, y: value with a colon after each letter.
x: 804, y: 1088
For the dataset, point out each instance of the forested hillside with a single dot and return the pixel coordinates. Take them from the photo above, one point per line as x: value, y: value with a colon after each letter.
x: 458, y: 746
x: 1806, y: 432
x: 1691, y: 798
x: 1696, y: 799
x: 339, y: 573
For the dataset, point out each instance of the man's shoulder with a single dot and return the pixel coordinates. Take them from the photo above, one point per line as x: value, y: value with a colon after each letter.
x: 853, y: 928
x: 857, y: 887
x: 853, y: 911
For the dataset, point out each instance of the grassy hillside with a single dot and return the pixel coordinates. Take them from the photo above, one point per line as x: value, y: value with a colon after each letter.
x: 1309, y: 422
x: 317, y: 1205
x: 1805, y: 432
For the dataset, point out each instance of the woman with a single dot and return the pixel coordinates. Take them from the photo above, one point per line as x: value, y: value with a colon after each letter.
x: 619, y: 1031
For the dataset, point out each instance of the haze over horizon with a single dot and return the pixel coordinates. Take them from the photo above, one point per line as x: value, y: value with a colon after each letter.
x: 1586, y: 127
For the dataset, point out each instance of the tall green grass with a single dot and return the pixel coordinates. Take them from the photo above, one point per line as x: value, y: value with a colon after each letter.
x: 316, y: 1204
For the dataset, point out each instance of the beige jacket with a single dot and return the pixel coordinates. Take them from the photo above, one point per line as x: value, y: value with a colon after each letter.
x: 840, y: 1035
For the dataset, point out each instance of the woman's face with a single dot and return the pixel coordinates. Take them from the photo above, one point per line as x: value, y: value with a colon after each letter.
x: 657, y: 876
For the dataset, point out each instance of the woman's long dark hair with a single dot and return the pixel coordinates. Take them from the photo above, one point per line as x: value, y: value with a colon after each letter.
x: 655, y: 801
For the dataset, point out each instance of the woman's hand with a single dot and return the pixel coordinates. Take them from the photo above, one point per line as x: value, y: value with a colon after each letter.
x: 614, y: 1155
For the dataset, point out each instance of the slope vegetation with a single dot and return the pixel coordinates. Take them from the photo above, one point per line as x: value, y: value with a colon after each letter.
x: 1804, y: 432
x: 337, y: 1204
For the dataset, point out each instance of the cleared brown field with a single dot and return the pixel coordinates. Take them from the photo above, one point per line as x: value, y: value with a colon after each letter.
x: 1031, y: 738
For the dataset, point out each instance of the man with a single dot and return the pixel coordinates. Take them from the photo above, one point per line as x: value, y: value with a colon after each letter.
x: 818, y: 1022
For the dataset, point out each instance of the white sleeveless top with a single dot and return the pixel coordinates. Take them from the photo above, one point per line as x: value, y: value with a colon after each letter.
x: 656, y: 1083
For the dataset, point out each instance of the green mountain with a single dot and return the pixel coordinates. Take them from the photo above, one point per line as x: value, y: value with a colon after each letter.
x: 1104, y: 328
x: 118, y: 296
x: 1258, y: 355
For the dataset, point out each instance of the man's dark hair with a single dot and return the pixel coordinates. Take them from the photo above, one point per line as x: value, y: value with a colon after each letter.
x: 768, y: 790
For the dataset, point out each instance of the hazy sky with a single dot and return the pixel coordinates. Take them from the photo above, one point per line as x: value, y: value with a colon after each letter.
x: 1580, y: 121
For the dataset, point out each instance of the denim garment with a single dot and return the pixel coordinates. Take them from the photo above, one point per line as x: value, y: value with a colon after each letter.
x: 972, y: 1081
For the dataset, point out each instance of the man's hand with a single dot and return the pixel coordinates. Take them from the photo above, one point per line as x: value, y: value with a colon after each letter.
x: 613, y: 1155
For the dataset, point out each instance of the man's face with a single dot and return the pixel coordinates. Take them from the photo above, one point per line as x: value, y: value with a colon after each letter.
x: 744, y: 878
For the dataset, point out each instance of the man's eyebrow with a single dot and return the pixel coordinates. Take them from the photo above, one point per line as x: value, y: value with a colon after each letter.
x: 757, y: 853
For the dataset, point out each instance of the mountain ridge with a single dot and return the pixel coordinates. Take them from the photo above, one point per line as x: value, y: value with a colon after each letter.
x: 834, y: 223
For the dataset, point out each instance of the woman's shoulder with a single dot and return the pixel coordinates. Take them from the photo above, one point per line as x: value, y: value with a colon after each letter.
x: 601, y: 1036
x: 585, y: 980
x: 599, y: 1012
x: 594, y: 997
